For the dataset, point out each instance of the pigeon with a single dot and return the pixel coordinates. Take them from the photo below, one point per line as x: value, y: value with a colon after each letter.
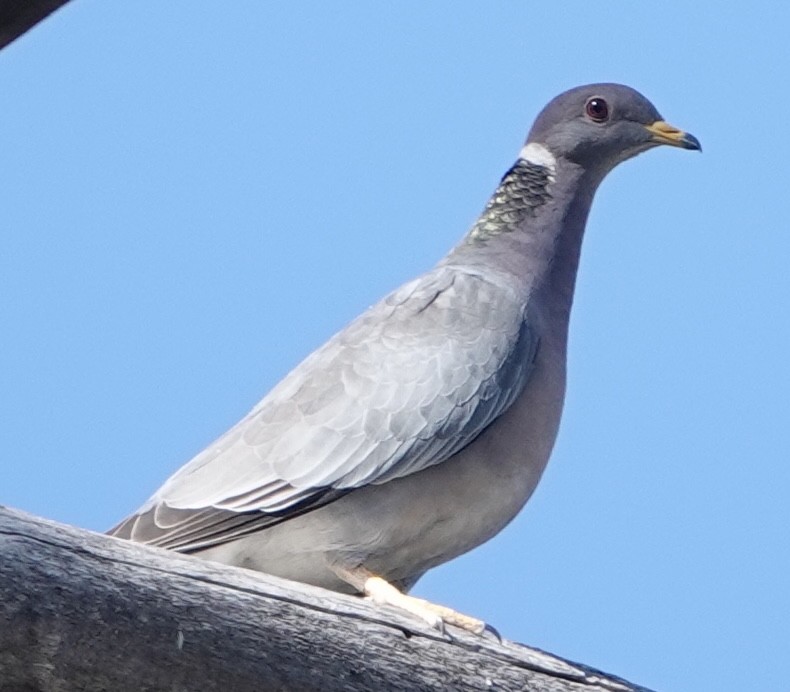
x: 421, y: 429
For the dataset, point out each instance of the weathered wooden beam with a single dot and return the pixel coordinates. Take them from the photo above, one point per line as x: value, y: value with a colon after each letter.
x: 17, y: 16
x: 83, y: 611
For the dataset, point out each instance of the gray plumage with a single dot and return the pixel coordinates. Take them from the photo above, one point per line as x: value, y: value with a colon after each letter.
x: 418, y: 431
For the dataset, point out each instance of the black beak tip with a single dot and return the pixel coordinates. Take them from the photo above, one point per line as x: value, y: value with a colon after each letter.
x: 691, y: 142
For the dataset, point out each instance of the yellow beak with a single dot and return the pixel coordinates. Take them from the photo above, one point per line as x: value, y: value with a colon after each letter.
x: 664, y: 133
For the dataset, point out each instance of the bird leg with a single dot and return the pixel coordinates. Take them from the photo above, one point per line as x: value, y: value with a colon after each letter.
x: 382, y: 592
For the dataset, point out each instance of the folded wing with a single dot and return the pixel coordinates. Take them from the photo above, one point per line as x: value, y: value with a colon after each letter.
x: 412, y: 381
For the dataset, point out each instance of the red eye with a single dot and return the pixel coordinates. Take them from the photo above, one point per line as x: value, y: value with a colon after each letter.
x: 597, y: 109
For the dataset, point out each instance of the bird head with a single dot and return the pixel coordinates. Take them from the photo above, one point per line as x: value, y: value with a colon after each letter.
x: 599, y: 125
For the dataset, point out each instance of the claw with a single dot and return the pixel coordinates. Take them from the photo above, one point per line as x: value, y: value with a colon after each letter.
x: 437, y: 616
x: 491, y: 631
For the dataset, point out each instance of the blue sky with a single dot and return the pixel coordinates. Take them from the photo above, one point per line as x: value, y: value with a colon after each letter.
x: 197, y: 195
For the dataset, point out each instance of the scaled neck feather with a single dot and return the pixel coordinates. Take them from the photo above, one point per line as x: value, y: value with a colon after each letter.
x: 531, y: 229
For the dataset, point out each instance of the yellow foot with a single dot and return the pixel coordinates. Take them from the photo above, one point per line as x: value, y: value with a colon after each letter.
x: 381, y: 591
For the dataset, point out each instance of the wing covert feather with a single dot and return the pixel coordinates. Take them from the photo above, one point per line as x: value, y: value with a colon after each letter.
x: 410, y: 382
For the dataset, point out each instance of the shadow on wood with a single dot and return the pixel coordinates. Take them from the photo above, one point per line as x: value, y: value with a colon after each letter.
x: 83, y: 611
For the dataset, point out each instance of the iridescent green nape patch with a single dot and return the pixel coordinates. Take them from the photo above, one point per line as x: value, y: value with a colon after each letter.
x: 524, y: 188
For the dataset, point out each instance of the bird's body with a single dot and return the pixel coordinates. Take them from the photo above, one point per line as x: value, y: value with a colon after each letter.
x: 443, y: 510
x: 421, y: 429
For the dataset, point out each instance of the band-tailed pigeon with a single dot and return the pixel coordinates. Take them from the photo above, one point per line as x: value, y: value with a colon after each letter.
x: 420, y: 430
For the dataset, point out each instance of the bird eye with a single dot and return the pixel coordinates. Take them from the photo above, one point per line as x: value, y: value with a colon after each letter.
x: 597, y: 109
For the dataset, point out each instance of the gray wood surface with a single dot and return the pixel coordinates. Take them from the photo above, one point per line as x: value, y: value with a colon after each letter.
x: 17, y: 16
x: 83, y: 611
